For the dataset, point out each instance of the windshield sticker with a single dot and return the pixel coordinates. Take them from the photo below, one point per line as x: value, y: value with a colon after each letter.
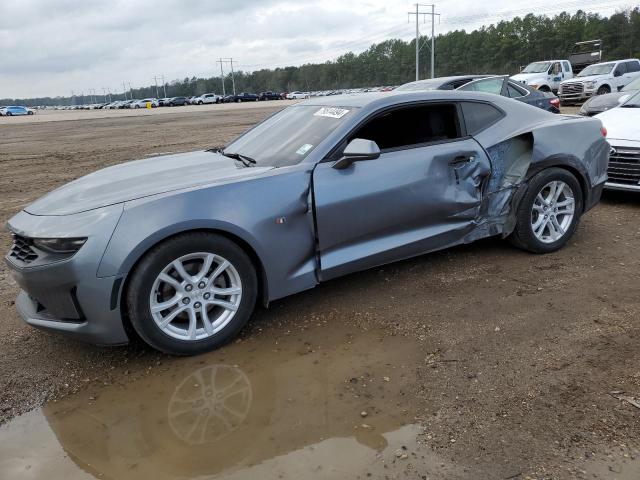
x: 331, y: 112
x: 304, y: 149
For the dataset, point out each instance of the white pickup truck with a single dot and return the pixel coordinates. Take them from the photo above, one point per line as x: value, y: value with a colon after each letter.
x: 598, y: 79
x: 545, y: 75
x: 207, y: 98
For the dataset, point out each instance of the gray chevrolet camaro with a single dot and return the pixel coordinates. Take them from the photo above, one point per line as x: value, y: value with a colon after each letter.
x: 178, y: 249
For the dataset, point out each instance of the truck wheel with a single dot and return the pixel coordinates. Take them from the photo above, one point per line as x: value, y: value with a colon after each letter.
x: 604, y: 89
x: 192, y: 293
x: 549, y: 212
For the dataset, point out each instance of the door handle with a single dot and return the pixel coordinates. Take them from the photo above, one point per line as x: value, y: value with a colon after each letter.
x: 461, y: 159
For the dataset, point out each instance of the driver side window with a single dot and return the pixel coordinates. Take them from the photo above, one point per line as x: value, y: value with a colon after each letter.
x: 407, y: 127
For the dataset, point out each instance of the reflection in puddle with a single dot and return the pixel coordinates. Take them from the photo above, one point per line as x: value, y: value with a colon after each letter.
x: 250, y: 410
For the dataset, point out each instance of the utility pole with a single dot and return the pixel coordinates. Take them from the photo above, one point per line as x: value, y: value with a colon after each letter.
x: 130, y: 90
x: 124, y: 89
x: 233, y: 81
x: 104, y: 94
x: 156, y: 80
x: 222, y: 77
x: 433, y: 15
x: 164, y: 86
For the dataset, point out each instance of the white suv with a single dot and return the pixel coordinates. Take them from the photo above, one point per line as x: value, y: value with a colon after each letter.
x: 598, y: 79
x: 207, y: 98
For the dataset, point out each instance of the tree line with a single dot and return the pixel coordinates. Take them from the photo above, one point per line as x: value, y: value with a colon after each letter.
x: 501, y: 48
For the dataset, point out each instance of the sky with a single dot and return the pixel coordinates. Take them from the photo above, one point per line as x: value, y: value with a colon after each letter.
x: 54, y: 47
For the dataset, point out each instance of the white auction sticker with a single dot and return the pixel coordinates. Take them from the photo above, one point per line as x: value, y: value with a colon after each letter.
x: 304, y: 149
x: 331, y: 112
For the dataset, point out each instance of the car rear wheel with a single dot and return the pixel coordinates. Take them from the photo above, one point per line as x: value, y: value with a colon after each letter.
x: 191, y: 293
x: 549, y: 212
x: 603, y: 90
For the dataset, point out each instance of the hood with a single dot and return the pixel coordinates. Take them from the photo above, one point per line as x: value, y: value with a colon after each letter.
x: 141, y: 178
x: 587, y: 78
x: 528, y: 77
x: 604, y: 102
x: 621, y: 123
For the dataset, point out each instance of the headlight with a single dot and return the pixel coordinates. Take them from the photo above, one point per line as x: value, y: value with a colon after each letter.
x: 59, y: 245
x: 590, y: 84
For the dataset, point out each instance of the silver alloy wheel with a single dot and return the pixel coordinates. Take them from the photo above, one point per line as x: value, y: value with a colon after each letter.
x: 552, y: 212
x: 195, y: 296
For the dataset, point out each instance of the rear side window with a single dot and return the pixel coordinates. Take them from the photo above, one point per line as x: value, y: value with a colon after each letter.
x: 409, y: 126
x: 633, y: 66
x: 567, y: 67
x: 478, y: 116
x: 515, y: 92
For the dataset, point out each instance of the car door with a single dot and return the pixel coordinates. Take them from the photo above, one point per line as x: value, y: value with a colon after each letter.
x: 633, y: 71
x: 423, y: 192
x: 556, y: 75
x: 619, y: 74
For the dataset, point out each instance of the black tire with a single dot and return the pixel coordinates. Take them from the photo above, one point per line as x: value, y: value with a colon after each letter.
x: 9, y: 114
x: 544, y: 88
x: 523, y: 236
x: 29, y: 113
x: 143, y: 278
x: 603, y: 90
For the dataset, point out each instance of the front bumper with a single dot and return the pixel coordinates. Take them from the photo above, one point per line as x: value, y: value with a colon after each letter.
x: 67, y: 296
x: 575, y: 97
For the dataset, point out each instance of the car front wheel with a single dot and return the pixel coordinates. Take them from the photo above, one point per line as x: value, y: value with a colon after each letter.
x: 549, y: 212
x: 191, y: 293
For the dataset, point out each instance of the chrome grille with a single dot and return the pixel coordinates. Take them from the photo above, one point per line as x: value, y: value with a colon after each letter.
x: 624, y: 165
x: 21, y: 249
x: 572, y: 88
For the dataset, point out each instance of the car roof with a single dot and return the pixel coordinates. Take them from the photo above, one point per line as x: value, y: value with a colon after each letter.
x: 382, y: 99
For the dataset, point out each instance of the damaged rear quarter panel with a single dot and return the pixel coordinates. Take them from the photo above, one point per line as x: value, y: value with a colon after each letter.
x: 518, y: 153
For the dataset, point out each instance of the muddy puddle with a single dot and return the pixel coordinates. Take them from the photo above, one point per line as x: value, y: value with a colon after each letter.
x: 304, y: 406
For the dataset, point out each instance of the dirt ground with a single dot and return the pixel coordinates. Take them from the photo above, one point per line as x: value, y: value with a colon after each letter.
x: 491, y: 362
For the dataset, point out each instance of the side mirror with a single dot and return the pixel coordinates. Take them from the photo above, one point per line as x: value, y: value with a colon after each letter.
x: 357, y: 150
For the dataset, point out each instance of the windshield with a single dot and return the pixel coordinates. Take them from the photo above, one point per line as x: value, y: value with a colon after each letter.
x: 419, y: 86
x: 290, y: 135
x: 632, y: 86
x: 537, y: 67
x: 633, y: 102
x: 599, y: 69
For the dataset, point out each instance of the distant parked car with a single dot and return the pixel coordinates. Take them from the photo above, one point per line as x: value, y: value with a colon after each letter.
x: 297, y: 95
x: 208, y: 98
x: 175, y: 101
x: 143, y: 103
x: 15, y: 111
x: 162, y: 102
x: 602, y: 103
x: 269, y: 95
x: 599, y: 79
x: 502, y: 85
x: 439, y: 83
x: 241, y: 97
x: 623, y: 134
x: 125, y: 104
